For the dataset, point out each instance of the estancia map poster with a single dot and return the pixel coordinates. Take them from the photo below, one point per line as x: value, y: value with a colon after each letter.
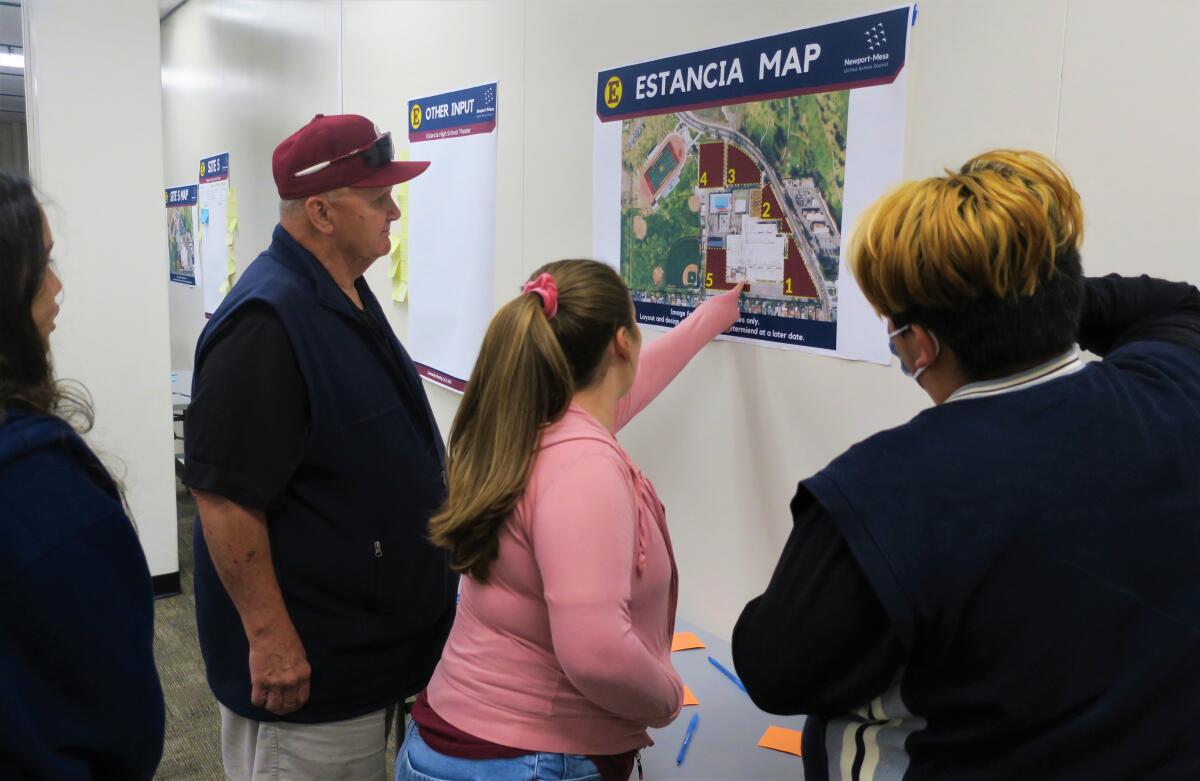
x: 750, y: 162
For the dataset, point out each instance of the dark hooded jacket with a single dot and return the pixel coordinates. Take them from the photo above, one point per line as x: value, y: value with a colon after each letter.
x: 79, y: 693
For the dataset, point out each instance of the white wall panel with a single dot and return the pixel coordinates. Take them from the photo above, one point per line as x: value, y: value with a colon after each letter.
x: 97, y: 161
x: 1128, y: 134
x: 239, y: 76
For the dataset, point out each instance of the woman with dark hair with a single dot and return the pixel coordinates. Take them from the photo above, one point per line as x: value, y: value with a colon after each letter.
x: 81, y: 695
x: 559, y: 657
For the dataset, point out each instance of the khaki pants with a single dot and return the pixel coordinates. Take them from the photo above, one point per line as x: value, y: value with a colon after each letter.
x: 350, y: 750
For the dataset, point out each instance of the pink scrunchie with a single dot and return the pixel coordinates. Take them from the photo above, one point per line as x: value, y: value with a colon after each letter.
x: 546, y: 288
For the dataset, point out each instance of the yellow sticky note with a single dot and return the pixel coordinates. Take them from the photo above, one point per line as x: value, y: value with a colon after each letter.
x: 781, y: 739
x: 398, y: 256
x: 229, y: 239
x: 684, y: 641
x: 232, y: 224
x: 231, y: 203
x: 226, y: 286
x: 230, y: 263
x: 689, y: 698
x: 394, y: 255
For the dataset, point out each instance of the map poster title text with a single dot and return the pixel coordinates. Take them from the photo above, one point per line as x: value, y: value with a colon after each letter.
x: 860, y: 52
x: 180, y: 196
x: 215, y: 168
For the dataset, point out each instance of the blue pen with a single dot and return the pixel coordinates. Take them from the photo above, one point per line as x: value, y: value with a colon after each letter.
x: 736, y: 681
x: 687, y: 738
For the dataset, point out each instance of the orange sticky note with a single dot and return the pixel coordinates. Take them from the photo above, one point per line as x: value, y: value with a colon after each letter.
x: 780, y: 739
x: 689, y: 698
x: 684, y: 641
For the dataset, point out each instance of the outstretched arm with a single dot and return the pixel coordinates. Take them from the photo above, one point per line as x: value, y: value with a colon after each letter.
x: 666, y: 356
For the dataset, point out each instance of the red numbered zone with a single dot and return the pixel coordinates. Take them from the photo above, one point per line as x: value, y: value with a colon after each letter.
x: 714, y: 263
x: 712, y: 165
x: 744, y: 169
x: 771, y: 210
x: 795, y: 270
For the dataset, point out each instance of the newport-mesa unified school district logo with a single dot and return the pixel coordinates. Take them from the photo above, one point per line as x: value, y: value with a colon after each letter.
x: 414, y: 116
x: 613, y: 92
x: 877, y: 57
x: 876, y: 36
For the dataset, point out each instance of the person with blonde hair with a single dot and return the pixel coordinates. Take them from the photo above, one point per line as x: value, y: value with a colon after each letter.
x: 1003, y: 587
x: 559, y: 657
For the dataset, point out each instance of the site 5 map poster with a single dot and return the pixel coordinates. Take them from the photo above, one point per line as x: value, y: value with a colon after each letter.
x: 182, y: 261
x: 749, y: 162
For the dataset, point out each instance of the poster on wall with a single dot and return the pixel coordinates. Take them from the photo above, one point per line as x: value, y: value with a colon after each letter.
x: 749, y: 163
x: 181, y: 234
x: 212, y: 199
x: 451, y: 231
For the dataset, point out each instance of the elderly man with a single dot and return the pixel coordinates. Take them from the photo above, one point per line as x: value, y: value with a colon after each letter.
x: 316, y: 464
x: 1005, y: 586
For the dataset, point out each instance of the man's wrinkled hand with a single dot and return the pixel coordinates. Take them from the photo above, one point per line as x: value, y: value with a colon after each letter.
x: 279, y: 672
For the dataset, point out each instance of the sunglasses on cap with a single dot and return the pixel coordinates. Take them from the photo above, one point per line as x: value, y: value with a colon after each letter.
x: 376, y: 154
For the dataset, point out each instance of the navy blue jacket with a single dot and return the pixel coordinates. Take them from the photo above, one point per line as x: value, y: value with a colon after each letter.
x: 1038, y: 555
x: 79, y: 694
x: 371, y: 598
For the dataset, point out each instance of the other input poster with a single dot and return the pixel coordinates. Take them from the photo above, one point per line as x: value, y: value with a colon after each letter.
x: 451, y: 231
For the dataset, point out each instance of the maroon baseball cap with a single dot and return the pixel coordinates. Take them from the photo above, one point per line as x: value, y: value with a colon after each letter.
x: 338, y: 150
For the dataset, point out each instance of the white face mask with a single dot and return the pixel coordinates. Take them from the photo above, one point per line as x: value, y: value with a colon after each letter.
x: 892, y: 346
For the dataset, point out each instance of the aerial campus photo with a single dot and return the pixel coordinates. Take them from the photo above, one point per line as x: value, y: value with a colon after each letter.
x: 179, y: 242
x: 749, y: 192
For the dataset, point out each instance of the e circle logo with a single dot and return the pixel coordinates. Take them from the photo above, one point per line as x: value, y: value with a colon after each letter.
x: 613, y: 92
x: 414, y: 116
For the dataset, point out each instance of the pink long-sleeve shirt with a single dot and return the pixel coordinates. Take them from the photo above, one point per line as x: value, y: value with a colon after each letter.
x: 567, y: 647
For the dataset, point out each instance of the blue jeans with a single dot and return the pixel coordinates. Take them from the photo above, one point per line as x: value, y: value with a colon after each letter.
x: 418, y: 762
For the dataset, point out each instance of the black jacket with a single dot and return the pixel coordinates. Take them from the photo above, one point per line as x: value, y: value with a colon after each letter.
x: 79, y: 693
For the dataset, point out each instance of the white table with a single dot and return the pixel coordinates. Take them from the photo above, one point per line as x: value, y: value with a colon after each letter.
x: 725, y: 744
x: 181, y: 390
